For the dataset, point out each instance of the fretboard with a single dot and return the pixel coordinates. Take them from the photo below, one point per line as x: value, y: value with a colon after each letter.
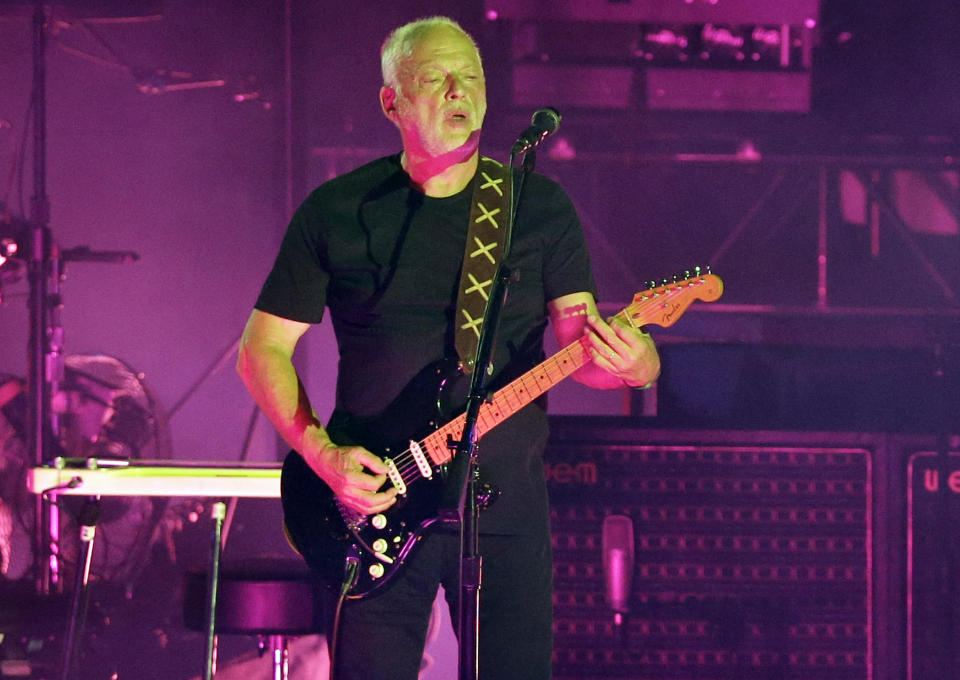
x: 661, y: 306
x: 509, y: 399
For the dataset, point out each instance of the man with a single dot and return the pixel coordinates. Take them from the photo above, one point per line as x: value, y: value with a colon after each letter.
x: 382, y: 248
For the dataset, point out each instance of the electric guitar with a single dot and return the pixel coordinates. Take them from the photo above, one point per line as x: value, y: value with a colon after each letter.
x: 330, y: 536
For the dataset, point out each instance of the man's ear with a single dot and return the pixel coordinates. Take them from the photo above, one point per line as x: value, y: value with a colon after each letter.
x: 388, y: 102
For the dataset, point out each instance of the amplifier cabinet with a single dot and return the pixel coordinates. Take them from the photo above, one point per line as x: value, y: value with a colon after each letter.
x: 933, y: 549
x: 752, y: 558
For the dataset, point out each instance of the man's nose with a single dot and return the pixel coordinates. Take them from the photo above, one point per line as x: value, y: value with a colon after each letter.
x: 455, y: 87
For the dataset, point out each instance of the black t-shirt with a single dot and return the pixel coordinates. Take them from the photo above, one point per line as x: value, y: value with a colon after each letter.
x: 385, y: 259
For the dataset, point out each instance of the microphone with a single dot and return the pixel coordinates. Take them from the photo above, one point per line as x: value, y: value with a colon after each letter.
x: 543, y: 123
x: 618, y: 563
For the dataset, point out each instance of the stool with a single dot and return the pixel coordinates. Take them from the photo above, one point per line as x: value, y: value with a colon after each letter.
x: 272, y: 599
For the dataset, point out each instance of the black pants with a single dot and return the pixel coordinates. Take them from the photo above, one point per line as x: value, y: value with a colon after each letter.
x: 382, y: 636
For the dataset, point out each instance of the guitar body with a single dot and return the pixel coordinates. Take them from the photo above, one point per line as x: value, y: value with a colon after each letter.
x: 316, y: 524
x: 325, y: 532
x: 328, y: 534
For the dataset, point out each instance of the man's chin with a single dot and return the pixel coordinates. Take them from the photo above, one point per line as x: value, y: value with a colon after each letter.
x: 465, y: 142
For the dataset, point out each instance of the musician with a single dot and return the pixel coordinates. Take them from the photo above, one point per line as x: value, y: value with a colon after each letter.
x: 381, y: 247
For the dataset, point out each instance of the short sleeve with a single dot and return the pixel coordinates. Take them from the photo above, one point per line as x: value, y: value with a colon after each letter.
x: 296, y: 287
x: 566, y: 265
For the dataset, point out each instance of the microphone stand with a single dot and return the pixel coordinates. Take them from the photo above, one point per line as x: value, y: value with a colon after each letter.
x: 45, y: 362
x: 45, y: 365
x: 463, y: 470
x: 89, y: 516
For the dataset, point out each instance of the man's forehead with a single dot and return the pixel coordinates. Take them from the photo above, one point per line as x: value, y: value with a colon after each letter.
x: 441, y: 44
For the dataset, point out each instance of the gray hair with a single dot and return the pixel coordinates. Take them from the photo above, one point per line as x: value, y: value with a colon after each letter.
x: 400, y: 43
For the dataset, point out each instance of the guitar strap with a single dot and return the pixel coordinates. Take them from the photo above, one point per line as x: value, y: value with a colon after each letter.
x: 486, y: 234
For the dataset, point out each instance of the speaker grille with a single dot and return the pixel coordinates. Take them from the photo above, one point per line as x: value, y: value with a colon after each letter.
x: 933, y: 547
x: 752, y: 561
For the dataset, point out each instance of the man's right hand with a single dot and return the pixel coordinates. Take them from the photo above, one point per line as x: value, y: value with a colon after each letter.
x: 264, y: 362
x: 355, y: 475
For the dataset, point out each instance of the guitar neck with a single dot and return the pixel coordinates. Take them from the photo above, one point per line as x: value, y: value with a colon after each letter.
x: 661, y: 306
x: 509, y: 399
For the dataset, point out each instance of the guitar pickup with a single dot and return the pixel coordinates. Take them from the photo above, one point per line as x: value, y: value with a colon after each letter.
x: 395, y: 477
x: 421, y: 459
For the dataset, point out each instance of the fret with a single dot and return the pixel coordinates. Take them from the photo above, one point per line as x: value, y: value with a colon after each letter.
x: 540, y: 378
x: 507, y: 406
x: 531, y: 385
x: 439, y: 453
x: 489, y: 417
x: 511, y: 399
x: 483, y: 430
x: 486, y: 419
x: 519, y: 390
x: 456, y: 432
x: 436, y: 453
x: 555, y: 370
x: 544, y: 378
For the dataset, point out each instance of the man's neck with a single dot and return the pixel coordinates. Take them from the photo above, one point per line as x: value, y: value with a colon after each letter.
x: 441, y: 176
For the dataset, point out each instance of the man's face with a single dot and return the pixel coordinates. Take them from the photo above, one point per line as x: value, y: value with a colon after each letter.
x: 441, y: 99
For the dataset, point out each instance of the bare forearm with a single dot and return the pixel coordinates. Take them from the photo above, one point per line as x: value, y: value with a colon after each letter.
x: 265, y: 364
x: 272, y: 381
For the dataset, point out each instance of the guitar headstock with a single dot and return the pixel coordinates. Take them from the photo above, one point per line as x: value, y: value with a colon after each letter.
x: 662, y: 305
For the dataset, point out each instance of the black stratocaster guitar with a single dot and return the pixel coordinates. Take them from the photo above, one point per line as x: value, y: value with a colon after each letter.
x: 326, y: 532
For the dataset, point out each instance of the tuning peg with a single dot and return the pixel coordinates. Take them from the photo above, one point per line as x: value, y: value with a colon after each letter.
x: 686, y: 273
x: 651, y: 284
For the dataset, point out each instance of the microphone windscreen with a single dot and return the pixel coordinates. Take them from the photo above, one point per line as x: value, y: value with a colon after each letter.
x: 546, y: 119
x: 618, y: 550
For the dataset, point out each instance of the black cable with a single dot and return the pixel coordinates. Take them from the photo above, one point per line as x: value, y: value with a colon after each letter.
x: 351, y: 568
x: 78, y: 518
x: 73, y: 483
x: 19, y: 159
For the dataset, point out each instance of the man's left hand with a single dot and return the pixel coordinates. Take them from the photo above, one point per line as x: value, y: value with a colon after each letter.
x: 623, y: 351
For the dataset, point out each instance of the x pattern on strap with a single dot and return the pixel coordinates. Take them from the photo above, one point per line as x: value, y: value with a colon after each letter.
x: 483, y: 249
x: 478, y: 286
x: 487, y: 215
x: 492, y: 183
x: 472, y: 324
x: 483, y: 239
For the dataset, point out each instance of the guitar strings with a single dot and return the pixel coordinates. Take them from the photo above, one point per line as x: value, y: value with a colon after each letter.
x: 488, y: 418
x: 406, y: 463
